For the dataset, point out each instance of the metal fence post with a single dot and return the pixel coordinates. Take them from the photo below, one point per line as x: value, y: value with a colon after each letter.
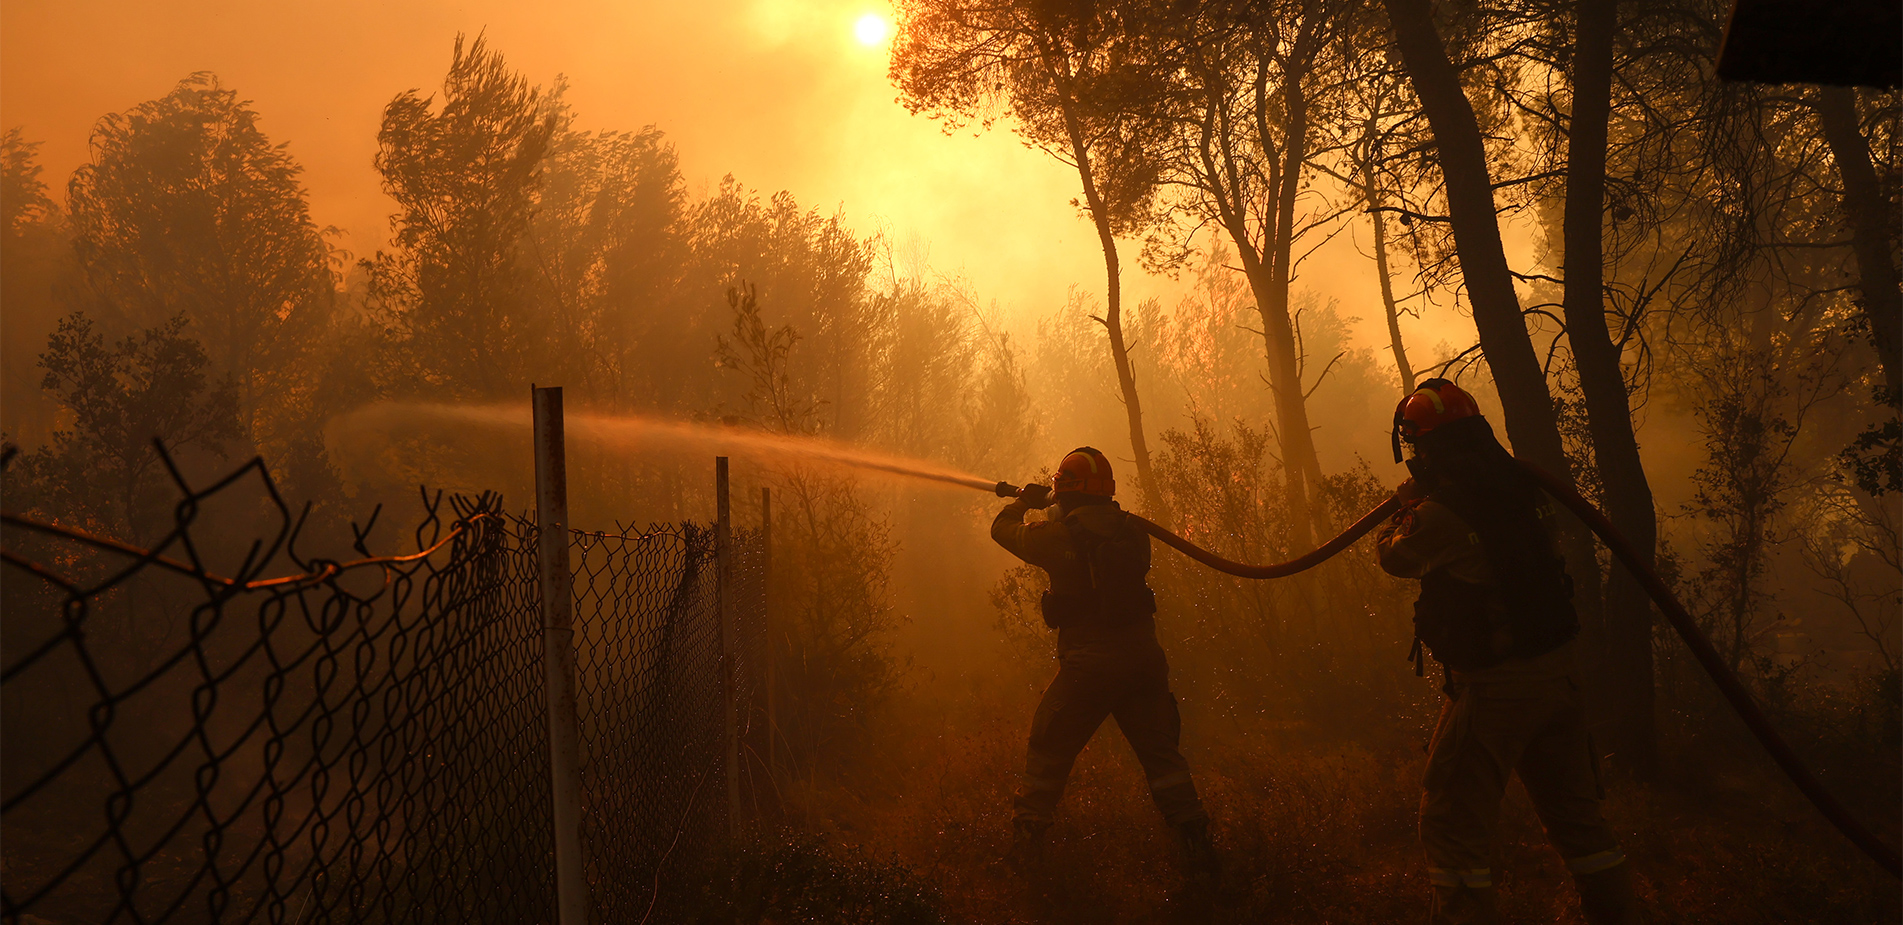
x: 558, y: 655
x: 766, y: 631
x: 729, y: 640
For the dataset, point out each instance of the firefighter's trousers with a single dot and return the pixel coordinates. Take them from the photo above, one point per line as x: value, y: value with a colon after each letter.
x: 1122, y: 674
x: 1488, y: 731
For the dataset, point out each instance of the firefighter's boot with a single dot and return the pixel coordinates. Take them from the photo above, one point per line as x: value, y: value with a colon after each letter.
x: 1464, y: 905
x: 1200, y: 859
x: 1026, y: 854
x: 1606, y: 897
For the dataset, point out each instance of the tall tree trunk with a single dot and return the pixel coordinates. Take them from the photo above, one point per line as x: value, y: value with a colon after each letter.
x: 1291, y: 413
x: 1113, y: 318
x: 1626, y: 637
x: 1291, y: 406
x: 1278, y: 346
x: 1531, y: 424
x: 1872, y: 230
x: 1401, y: 366
x: 1266, y: 269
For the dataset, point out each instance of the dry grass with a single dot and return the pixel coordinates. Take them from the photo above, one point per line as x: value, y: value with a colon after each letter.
x: 1326, y: 834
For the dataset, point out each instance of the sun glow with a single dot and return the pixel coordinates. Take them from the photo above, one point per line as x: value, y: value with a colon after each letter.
x: 872, y: 29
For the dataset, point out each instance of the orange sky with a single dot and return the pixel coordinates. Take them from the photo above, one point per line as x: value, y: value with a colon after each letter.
x: 779, y: 93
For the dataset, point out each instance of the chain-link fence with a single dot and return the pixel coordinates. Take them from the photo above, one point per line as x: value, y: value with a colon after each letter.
x: 360, y: 741
x: 653, y: 727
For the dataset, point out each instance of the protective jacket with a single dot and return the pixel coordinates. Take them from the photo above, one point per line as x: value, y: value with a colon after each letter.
x: 1109, y: 663
x: 1097, y: 558
x: 1484, y: 598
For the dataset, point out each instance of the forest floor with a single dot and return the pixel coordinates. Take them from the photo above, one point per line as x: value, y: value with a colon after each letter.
x: 1326, y: 833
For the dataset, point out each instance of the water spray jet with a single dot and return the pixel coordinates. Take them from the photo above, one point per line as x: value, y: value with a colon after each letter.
x: 641, y: 431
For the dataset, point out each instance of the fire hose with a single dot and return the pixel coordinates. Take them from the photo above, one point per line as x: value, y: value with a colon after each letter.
x: 1728, y: 684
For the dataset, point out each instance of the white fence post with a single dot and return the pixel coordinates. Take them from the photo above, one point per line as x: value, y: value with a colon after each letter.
x: 558, y: 655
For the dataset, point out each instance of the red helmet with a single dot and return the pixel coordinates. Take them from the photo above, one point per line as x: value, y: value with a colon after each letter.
x: 1087, y: 470
x: 1432, y: 403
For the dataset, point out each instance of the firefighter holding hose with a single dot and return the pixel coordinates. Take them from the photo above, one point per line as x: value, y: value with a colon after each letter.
x: 1110, y: 663
x: 1496, y: 611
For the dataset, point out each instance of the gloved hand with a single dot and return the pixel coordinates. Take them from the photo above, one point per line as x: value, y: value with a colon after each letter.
x: 1036, y: 495
x: 1409, y: 490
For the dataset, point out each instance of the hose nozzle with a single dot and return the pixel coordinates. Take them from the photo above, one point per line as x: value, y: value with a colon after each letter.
x: 1005, y: 490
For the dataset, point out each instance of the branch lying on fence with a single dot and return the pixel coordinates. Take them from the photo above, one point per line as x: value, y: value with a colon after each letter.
x: 330, y: 569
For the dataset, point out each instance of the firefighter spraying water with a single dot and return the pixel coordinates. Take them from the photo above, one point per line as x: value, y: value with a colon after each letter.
x: 1110, y: 663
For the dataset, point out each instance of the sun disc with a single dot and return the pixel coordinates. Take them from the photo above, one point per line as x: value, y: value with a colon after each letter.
x: 872, y: 29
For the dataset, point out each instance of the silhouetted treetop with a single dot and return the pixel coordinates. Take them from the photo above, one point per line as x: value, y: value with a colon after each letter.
x: 187, y: 208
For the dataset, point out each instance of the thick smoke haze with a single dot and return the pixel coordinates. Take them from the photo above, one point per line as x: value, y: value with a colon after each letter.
x: 782, y: 95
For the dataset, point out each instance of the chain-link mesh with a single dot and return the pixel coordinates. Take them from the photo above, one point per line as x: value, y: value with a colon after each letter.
x: 750, y: 563
x: 359, y: 742
x: 648, y: 645
x: 648, y: 650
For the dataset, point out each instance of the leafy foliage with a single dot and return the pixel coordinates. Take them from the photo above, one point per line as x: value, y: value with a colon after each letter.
x: 188, y: 209
x: 23, y: 199
x: 610, y: 251
x: 465, y: 176
x: 123, y: 395
x: 36, y: 259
